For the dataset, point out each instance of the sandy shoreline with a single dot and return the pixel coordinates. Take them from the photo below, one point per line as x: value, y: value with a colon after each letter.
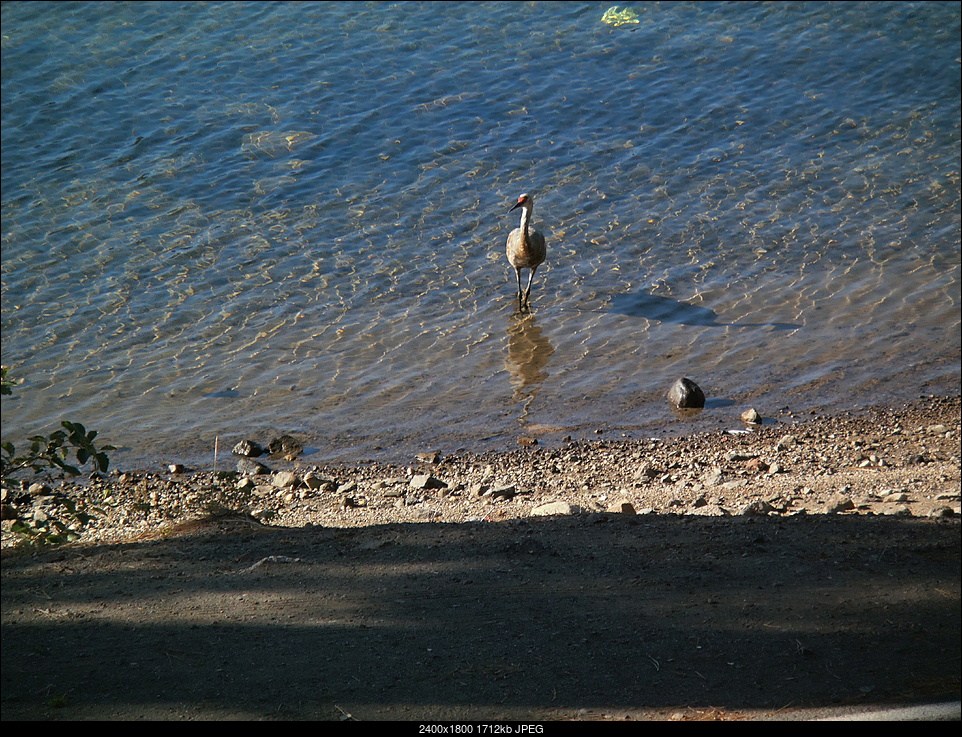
x: 716, y: 576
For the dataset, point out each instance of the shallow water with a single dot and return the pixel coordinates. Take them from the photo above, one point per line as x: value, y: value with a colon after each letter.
x: 240, y: 219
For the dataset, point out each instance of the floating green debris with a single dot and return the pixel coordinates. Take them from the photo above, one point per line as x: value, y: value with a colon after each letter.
x: 615, y: 17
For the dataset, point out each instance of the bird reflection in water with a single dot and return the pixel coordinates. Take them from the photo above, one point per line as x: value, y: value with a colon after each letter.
x: 528, y: 354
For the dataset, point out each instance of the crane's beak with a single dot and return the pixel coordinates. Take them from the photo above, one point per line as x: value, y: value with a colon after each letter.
x: 515, y: 207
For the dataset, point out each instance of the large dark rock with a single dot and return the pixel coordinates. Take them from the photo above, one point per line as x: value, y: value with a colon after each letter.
x: 686, y: 394
x: 248, y: 449
x: 285, y: 447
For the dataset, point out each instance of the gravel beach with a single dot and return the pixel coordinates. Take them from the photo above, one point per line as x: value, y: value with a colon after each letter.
x: 726, y: 575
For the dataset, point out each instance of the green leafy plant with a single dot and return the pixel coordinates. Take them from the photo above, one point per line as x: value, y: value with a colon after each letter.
x: 53, y: 529
x: 59, y: 451
x: 49, y: 452
x: 6, y: 384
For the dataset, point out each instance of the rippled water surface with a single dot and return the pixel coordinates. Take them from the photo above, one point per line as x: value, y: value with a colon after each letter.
x: 240, y: 219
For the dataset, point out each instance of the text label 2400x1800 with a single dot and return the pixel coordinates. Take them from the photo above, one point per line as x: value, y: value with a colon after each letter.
x: 493, y: 729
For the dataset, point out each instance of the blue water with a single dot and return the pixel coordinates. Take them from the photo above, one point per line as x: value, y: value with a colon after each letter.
x: 227, y: 220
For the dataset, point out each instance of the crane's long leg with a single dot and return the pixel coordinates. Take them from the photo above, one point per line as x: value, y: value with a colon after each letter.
x: 527, y: 292
x: 520, y: 297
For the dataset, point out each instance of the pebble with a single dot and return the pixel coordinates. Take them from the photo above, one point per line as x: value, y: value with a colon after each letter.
x: 245, y: 484
x: 251, y: 468
x: 647, y: 473
x: 284, y: 479
x: 555, y: 508
x: 756, y: 508
x: 786, y: 442
x: 506, y: 492
x: 899, y: 511
x: 316, y: 482
x: 751, y: 417
x: 713, y: 477
x: 622, y: 507
x: 756, y: 465
x: 710, y: 510
x: 426, y: 481
x: 839, y: 503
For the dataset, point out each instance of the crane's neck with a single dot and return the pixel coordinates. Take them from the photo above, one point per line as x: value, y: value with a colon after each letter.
x: 525, y: 217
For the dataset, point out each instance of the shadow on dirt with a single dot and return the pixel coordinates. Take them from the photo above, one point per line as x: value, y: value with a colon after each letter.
x: 529, y: 619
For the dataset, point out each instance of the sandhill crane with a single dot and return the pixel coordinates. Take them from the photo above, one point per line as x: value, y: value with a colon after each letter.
x: 526, y: 249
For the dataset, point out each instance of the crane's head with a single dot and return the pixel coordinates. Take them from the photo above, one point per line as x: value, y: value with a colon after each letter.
x: 522, y: 201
